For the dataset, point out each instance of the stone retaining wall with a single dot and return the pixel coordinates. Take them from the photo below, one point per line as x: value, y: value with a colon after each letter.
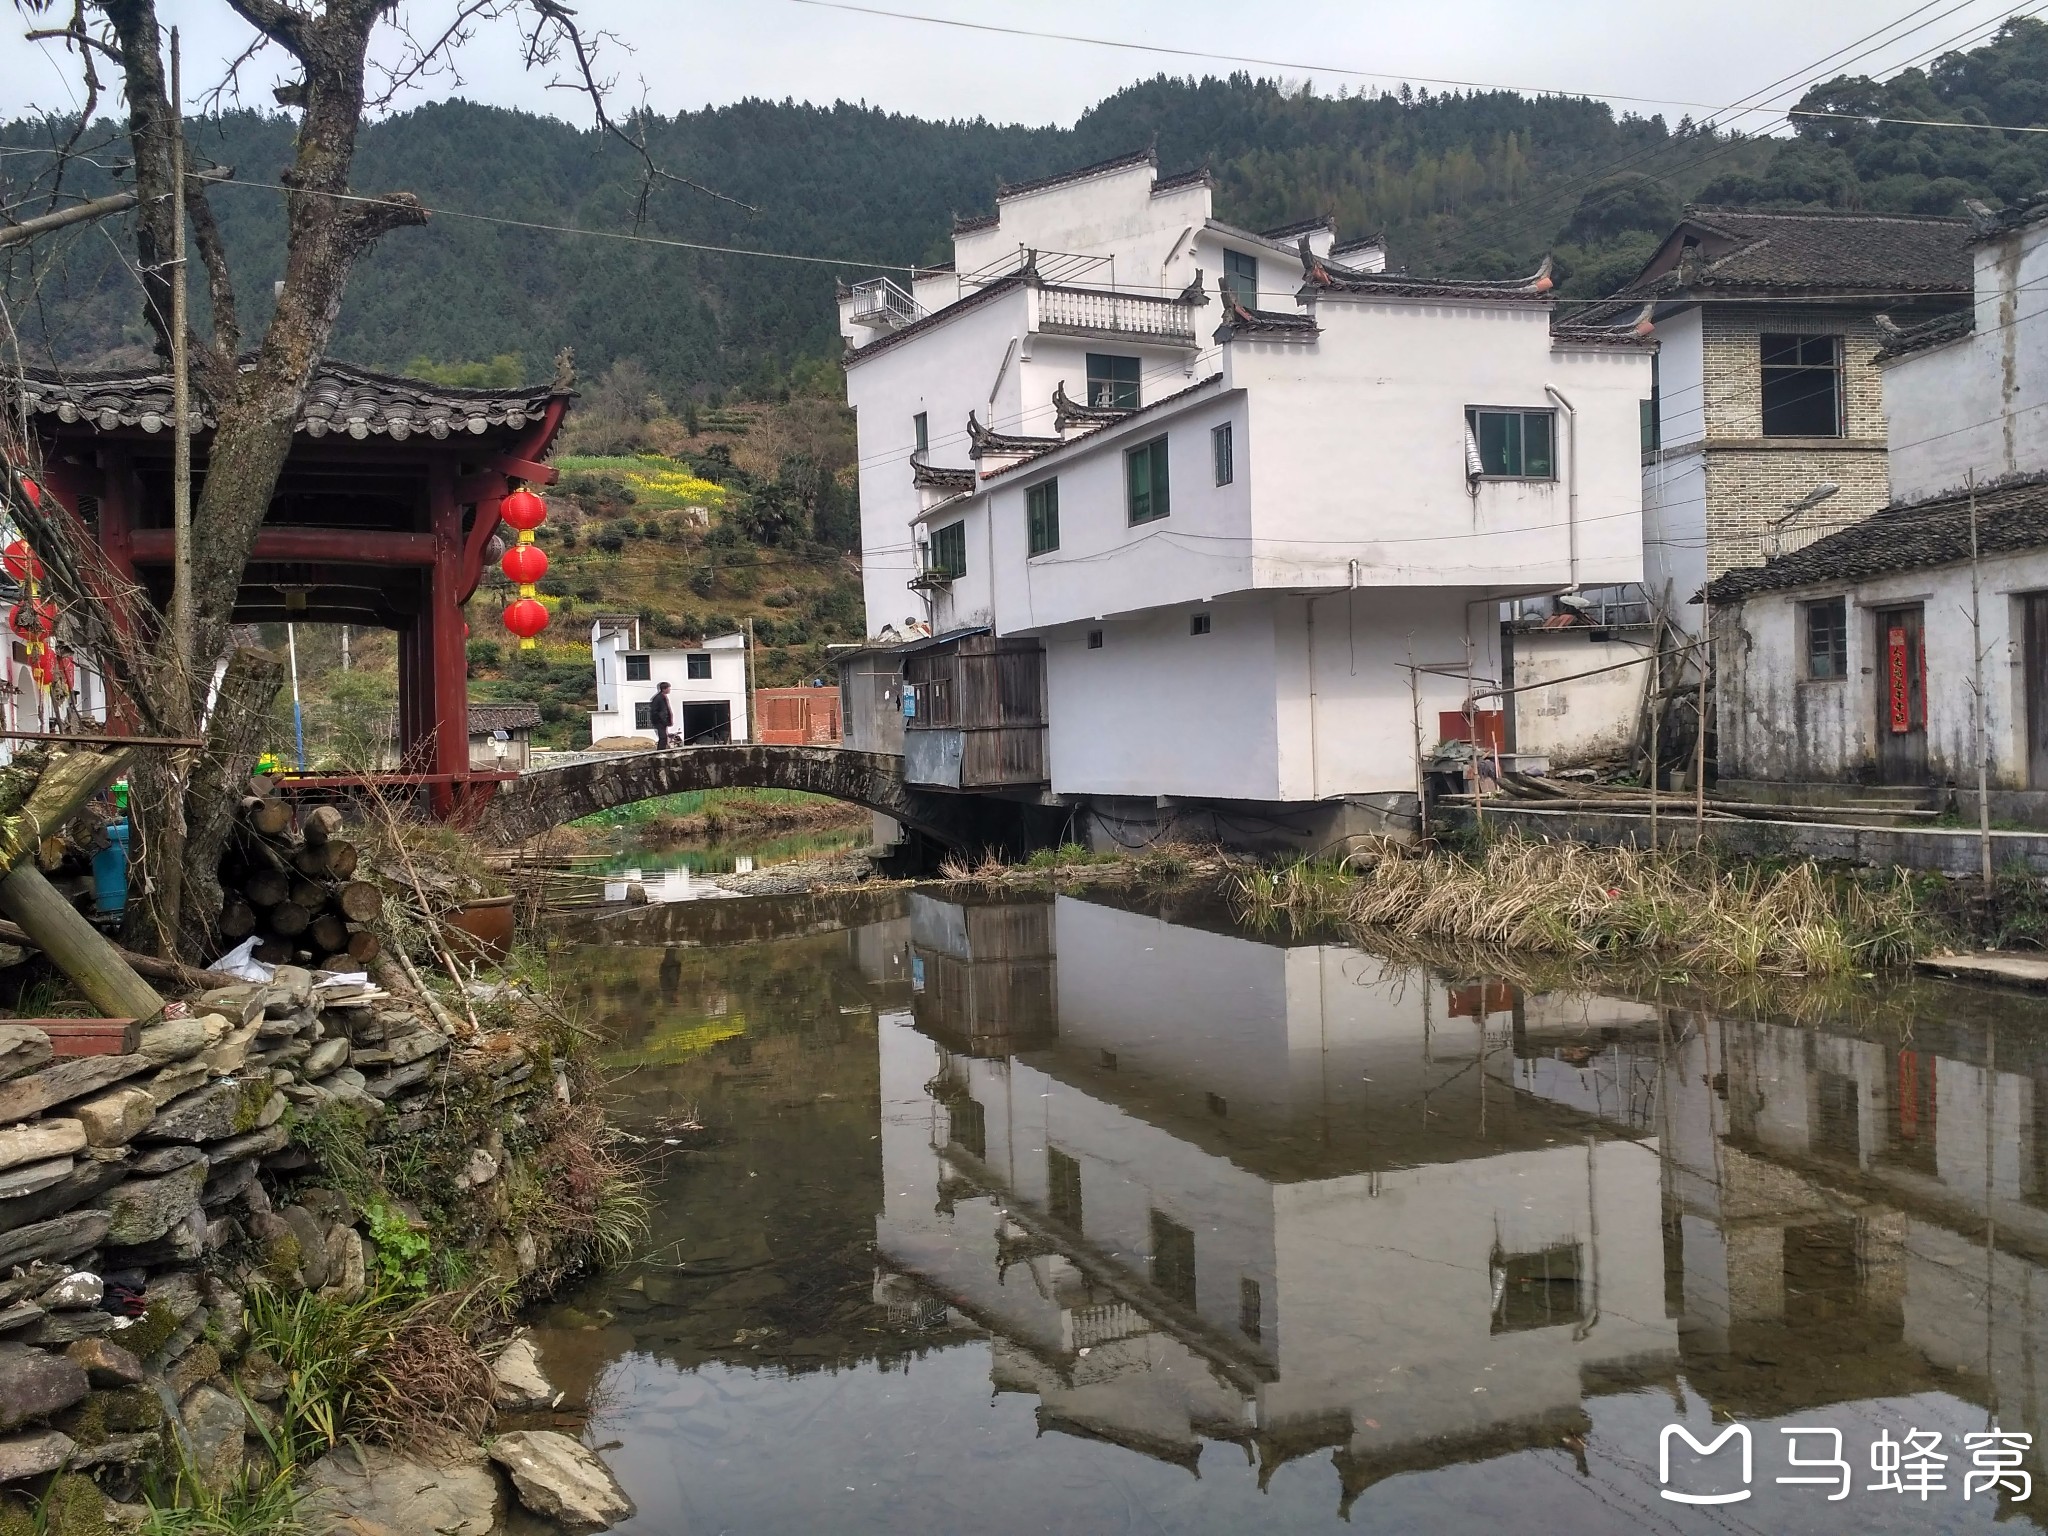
x: 132, y: 1217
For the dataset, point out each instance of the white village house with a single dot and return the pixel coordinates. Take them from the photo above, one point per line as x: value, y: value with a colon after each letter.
x: 1213, y: 526
x: 707, y: 686
x: 1852, y: 660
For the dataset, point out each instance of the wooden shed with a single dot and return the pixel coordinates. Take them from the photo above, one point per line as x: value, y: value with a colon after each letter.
x: 975, y: 717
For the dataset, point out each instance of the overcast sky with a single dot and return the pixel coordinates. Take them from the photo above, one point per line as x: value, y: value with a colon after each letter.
x: 685, y: 54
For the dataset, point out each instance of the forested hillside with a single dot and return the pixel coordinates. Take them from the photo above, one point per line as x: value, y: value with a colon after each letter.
x: 1477, y: 182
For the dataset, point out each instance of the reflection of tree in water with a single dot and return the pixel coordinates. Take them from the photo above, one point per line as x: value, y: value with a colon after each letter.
x: 762, y: 1250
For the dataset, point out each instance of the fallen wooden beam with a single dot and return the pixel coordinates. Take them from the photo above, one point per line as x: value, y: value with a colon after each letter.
x: 78, y: 949
x: 148, y: 965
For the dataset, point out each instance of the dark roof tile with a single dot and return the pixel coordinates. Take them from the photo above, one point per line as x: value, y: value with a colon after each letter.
x: 2010, y: 518
x: 1144, y: 410
x: 1082, y: 173
x: 1900, y: 342
x: 342, y: 399
x: 1744, y: 250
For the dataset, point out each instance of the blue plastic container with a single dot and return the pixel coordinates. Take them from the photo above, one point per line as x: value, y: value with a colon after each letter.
x: 110, y: 872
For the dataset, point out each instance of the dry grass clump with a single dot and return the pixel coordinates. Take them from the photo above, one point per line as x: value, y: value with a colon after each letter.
x: 1693, y: 909
x: 430, y: 1388
x: 584, y: 1199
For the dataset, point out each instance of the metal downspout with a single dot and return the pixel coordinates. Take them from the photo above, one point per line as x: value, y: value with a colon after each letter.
x: 1571, y: 425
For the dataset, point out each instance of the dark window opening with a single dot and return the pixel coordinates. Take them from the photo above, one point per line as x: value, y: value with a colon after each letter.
x: 1835, y: 1122
x: 1653, y: 409
x: 637, y: 669
x: 697, y: 665
x: 1802, y: 386
x: 1042, y: 512
x: 706, y: 721
x: 1513, y: 445
x: 1063, y: 1188
x: 921, y: 425
x: 1113, y: 380
x: 1220, y: 451
x: 967, y: 1126
x: 1250, y: 1309
x: 1241, y: 278
x: 949, y: 551
x: 1536, y: 1290
x: 1827, y: 638
x: 1094, y: 639
x: 1173, y: 1259
x: 640, y: 720
x: 1198, y: 623
x: 1145, y: 479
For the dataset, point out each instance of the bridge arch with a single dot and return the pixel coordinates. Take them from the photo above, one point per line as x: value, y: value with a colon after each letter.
x: 548, y: 797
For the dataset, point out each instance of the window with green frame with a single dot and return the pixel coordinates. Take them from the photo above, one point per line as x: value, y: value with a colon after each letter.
x: 1042, y: 512
x: 1145, y: 479
x: 948, y: 553
x: 1514, y: 445
x: 1241, y: 278
x: 1113, y: 380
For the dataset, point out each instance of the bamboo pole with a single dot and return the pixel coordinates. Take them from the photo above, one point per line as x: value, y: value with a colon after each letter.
x: 1699, y: 745
x: 182, y: 616
x: 78, y: 949
x: 1977, y: 689
x: 147, y: 965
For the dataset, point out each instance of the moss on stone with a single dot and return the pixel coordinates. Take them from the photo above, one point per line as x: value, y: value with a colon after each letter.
x: 145, y: 1337
x: 255, y: 1094
x: 17, y: 1518
x: 87, y: 1422
x: 282, y: 1257
x: 74, y: 1506
x: 130, y: 1410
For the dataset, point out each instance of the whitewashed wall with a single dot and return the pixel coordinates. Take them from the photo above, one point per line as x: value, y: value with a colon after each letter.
x: 1981, y: 402
x: 728, y: 682
x: 1585, y: 717
x: 1776, y: 724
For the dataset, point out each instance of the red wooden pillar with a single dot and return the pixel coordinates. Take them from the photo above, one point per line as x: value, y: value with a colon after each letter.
x: 445, y: 645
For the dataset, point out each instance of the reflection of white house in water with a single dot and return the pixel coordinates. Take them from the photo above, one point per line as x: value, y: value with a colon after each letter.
x: 1270, y: 1193
x: 1246, y: 1190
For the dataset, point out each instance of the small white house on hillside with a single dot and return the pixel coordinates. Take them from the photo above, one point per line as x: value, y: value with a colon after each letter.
x: 707, y: 686
x: 1212, y: 527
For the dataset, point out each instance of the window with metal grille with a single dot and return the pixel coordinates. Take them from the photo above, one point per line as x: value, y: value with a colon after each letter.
x: 640, y: 720
x: 1145, y: 477
x: 949, y: 551
x: 697, y: 664
x: 1198, y: 623
x: 1042, y: 512
x: 1827, y: 638
x: 1220, y: 452
x: 1513, y: 445
x: 1063, y: 1188
x: 1802, y: 386
x: 1112, y: 380
x: 1241, y: 278
x: 637, y: 669
x: 1173, y: 1259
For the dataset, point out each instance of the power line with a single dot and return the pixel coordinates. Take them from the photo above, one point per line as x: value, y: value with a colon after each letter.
x: 1234, y: 58
x: 1914, y: 122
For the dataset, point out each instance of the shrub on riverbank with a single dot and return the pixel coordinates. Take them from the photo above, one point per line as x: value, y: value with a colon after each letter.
x: 1692, y: 908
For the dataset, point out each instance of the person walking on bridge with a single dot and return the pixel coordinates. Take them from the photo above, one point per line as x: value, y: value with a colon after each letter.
x: 661, y: 715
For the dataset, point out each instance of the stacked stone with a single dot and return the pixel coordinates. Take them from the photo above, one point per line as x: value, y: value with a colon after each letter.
x: 127, y: 1180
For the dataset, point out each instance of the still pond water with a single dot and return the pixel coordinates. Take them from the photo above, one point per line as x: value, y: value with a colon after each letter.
x: 1106, y: 1215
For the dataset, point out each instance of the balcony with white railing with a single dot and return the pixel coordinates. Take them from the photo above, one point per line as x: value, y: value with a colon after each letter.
x: 1120, y: 316
x: 881, y: 305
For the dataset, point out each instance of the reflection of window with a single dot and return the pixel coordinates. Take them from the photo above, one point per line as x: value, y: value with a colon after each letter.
x: 1241, y: 278
x: 1145, y: 470
x: 1536, y: 1290
x: 1063, y: 1188
x: 637, y: 669
x: 1173, y: 1259
x: 1112, y: 380
x: 1827, y: 638
x: 1249, y: 1309
x: 949, y: 550
x: 1835, y: 1127
x: 640, y: 720
x: 1823, y: 1280
x: 967, y: 1126
x: 1042, y: 512
x: 1513, y: 445
x: 1802, y: 386
x: 698, y: 664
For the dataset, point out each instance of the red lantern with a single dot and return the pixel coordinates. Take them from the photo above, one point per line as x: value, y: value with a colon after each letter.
x: 44, y: 668
x: 524, y: 564
x: 32, y: 491
x: 21, y: 562
x: 33, y: 620
x: 527, y: 617
x: 523, y: 510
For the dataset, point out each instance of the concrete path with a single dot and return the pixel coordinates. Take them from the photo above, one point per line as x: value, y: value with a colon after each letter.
x: 2004, y: 967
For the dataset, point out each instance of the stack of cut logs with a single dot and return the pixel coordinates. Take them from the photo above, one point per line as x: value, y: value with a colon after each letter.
x: 296, y: 890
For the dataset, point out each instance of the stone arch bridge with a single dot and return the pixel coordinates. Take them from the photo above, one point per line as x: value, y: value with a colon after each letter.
x: 548, y: 797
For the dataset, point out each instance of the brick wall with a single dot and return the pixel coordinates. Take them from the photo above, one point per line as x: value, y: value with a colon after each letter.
x: 1752, y: 480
